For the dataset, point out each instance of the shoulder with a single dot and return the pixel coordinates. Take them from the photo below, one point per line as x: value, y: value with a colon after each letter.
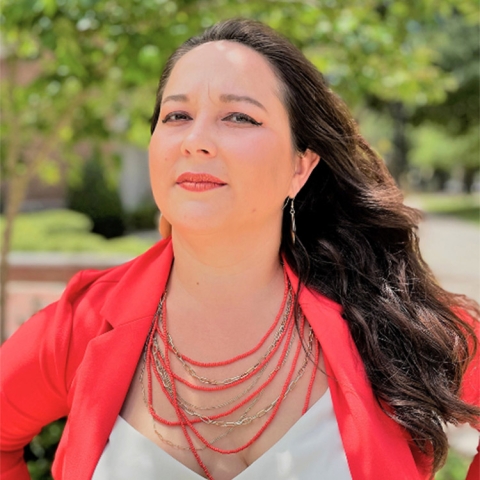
x: 310, y: 298
x: 470, y: 392
x: 318, y: 307
x: 96, y: 285
x: 93, y: 303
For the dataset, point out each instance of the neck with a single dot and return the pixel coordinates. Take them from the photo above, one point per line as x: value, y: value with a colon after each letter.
x: 226, y: 269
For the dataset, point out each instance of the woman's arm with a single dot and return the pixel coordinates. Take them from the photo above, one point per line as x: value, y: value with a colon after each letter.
x: 38, y: 364
x: 33, y: 391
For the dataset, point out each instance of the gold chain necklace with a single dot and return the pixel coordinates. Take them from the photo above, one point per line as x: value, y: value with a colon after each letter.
x: 228, y: 381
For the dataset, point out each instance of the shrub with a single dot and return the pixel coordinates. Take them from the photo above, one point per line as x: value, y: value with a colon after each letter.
x: 143, y: 217
x: 97, y: 198
x: 39, y: 454
x: 67, y: 231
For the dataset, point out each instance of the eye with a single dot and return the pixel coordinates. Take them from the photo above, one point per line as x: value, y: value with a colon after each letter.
x: 176, y: 117
x: 241, y: 118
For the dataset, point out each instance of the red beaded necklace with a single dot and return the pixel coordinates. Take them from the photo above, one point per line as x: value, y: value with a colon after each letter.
x: 160, y: 347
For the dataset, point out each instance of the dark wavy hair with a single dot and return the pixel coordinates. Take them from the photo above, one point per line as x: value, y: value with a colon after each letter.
x: 357, y: 244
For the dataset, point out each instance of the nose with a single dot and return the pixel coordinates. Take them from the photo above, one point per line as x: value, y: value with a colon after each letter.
x: 198, y: 140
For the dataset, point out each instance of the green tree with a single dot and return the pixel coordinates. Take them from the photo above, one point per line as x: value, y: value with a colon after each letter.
x: 455, y: 121
x: 460, y: 111
x: 454, y: 112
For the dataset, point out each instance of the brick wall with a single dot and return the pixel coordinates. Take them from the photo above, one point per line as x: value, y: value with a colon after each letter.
x: 38, y: 279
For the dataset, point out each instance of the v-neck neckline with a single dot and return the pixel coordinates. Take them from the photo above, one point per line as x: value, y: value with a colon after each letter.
x: 322, y: 404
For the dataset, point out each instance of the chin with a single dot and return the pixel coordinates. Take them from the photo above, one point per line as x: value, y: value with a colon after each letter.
x: 200, y: 224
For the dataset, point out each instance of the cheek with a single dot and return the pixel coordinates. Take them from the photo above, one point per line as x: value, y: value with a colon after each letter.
x: 158, y: 160
x: 161, y: 155
x: 156, y: 153
x: 269, y: 162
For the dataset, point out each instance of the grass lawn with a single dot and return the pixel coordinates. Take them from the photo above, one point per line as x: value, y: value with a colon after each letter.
x: 462, y: 206
x: 456, y: 467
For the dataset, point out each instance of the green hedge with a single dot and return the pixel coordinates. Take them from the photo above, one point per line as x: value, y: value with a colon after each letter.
x: 67, y: 231
x: 39, y: 454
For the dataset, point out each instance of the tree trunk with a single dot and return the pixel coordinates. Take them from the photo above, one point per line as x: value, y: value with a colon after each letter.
x: 440, y: 178
x: 16, y: 190
x: 399, y: 159
x: 469, y: 178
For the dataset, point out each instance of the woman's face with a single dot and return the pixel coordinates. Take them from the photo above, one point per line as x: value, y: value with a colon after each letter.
x: 221, y: 155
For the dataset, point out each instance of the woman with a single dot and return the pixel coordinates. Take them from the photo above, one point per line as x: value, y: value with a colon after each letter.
x: 288, y: 328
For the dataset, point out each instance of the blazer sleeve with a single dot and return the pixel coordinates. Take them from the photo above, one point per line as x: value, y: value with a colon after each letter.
x: 38, y: 364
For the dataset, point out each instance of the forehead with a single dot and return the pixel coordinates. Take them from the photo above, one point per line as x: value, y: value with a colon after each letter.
x: 224, y: 65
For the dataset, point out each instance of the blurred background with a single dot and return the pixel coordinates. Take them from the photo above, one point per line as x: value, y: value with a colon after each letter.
x: 78, y: 82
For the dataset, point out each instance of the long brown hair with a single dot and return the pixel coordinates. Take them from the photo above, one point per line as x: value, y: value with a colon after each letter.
x: 357, y: 244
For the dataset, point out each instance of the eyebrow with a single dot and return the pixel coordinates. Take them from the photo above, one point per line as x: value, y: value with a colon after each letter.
x: 225, y: 98
x: 175, y: 98
x: 230, y: 98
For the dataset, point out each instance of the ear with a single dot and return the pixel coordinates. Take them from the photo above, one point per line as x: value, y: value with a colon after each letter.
x: 304, y: 165
x: 164, y: 227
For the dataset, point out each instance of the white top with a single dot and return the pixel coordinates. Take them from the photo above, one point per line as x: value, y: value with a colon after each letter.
x: 311, y: 450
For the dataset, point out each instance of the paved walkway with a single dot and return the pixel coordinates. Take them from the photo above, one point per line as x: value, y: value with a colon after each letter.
x: 452, y: 249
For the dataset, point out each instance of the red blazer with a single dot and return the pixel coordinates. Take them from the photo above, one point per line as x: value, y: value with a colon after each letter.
x: 77, y: 357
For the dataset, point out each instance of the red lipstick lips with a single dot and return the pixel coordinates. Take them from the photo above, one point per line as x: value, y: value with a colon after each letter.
x: 198, y: 182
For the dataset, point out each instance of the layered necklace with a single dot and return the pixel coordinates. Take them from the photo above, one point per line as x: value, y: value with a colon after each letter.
x: 286, y: 342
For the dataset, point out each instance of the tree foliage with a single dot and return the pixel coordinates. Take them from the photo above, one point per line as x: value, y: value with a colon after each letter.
x: 109, y: 54
x: 461, y: 58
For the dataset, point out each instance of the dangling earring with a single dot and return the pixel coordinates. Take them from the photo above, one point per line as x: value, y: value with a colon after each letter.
x: 292, y: 215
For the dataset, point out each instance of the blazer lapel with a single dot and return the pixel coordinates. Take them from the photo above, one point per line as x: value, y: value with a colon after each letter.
x: 106, y: 371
